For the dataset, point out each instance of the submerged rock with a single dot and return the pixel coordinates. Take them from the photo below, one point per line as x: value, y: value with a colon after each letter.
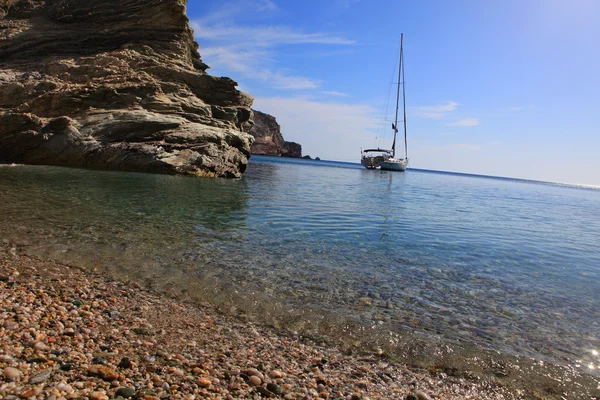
x: 115, y: 85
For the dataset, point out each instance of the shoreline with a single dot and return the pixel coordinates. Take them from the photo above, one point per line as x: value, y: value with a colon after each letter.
x: 67, y: 327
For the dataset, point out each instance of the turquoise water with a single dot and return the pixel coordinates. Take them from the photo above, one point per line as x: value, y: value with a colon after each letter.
x: 505, y: 264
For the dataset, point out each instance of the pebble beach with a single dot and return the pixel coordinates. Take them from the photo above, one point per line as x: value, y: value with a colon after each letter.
x: 67, y: 333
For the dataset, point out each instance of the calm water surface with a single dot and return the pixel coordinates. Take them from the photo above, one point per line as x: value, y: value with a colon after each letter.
x: 506, y: 264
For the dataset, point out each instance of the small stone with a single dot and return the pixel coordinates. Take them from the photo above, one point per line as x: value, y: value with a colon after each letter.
x: 103, y: 372
x: 125, y: 392
x: 66, y: 366
x: 69, y: 332
x: 37, y: 360
x: 63, y: 387
x: 40, y: 377
x: 11, y: 373
x: 255, y: 372
x: 255, y: 380
x: 271, y: 387
x: 422, y: 395
x: 203, y: 382
x: 276, y: 374
x: 29, y: 393
x: 98, y: 396
x: 125, y: 363
x: 100, y: 361
x: 40, y: 346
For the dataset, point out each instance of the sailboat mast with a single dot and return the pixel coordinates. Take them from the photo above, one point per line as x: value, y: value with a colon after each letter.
x: 397, y: 98
x: 403, y: 95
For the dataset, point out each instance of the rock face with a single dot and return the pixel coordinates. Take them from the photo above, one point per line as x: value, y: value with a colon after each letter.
x: 268, y: 138
x: 115, y: 84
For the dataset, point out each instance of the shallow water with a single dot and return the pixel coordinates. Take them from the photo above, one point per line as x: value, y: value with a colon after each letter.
x: 509, y: 265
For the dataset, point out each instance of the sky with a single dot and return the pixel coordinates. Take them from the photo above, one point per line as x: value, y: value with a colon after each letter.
x: 498, y: 87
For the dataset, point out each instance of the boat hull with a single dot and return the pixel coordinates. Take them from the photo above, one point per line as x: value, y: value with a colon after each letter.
x: 399, y: 165
x: 384, y: 163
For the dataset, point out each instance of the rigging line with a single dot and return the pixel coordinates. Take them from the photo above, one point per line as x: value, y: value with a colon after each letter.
x: 382, y: 124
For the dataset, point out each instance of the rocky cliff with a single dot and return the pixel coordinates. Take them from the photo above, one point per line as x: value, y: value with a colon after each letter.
x: 115, y: 84
x: 269, y: 140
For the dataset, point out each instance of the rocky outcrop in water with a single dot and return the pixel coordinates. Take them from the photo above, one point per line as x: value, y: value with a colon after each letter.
x: 116, y: 85
x: 268, y: 138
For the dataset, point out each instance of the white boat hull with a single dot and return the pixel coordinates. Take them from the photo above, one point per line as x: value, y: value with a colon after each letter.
x: 394, y: 165
x: 384, y: 163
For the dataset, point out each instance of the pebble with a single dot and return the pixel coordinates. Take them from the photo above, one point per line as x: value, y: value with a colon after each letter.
x: 103, y: 372
x: 203, y: 355
x: 40, y: 377
x: 272, y: 387
x: 255, y: 380
x: 125, y: 363
x: 40, y: 346
x: 98, y: 396
x: 125, y: 392
x: 422, y: 395
x: 11, y: 373
x: 255, y: 372
x: 203, y: 382
x: 276, y: 374
x: 27, y: 393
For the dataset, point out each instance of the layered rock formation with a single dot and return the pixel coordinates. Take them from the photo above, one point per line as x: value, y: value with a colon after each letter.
x: 269, y: 140
x: 115, y: 84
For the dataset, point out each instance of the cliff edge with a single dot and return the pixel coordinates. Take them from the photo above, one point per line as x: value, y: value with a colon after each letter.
x: 269, y: 140
x: 117, y: 85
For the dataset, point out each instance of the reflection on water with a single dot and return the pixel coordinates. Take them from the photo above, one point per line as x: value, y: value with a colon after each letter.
x: 508, y: 265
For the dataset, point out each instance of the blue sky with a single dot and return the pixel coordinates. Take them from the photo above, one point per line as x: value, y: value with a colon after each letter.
x: 507, y: 88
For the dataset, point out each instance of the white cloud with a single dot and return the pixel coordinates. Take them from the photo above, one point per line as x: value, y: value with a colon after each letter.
x: 522, y: 108
x: 267, y: 5
x: 333, y: 131
x: 251, y: 64
x: 334, y: 93
x: 250, y: 51
x: 262, y: 36
x: 447, y: 149
x: 465, y: 122
x: 435, y: 112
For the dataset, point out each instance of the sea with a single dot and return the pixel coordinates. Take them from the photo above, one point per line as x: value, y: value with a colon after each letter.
x: 329, y: 249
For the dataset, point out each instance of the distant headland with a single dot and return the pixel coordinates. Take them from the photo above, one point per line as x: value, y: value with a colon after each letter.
x: 268, y: 138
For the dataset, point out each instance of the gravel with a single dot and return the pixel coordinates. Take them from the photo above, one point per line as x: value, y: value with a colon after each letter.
x: 98, y: 338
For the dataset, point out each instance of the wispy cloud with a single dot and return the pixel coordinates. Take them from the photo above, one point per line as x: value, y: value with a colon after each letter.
x: 263, y: 36
x: 465, y: 122
x: 522, y: 108
x: 249, y: 51
x: 251, y: 64
x: 450, y: 148
x: 435, y: 112
x: 334, y: 93
x: 266, y: 5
